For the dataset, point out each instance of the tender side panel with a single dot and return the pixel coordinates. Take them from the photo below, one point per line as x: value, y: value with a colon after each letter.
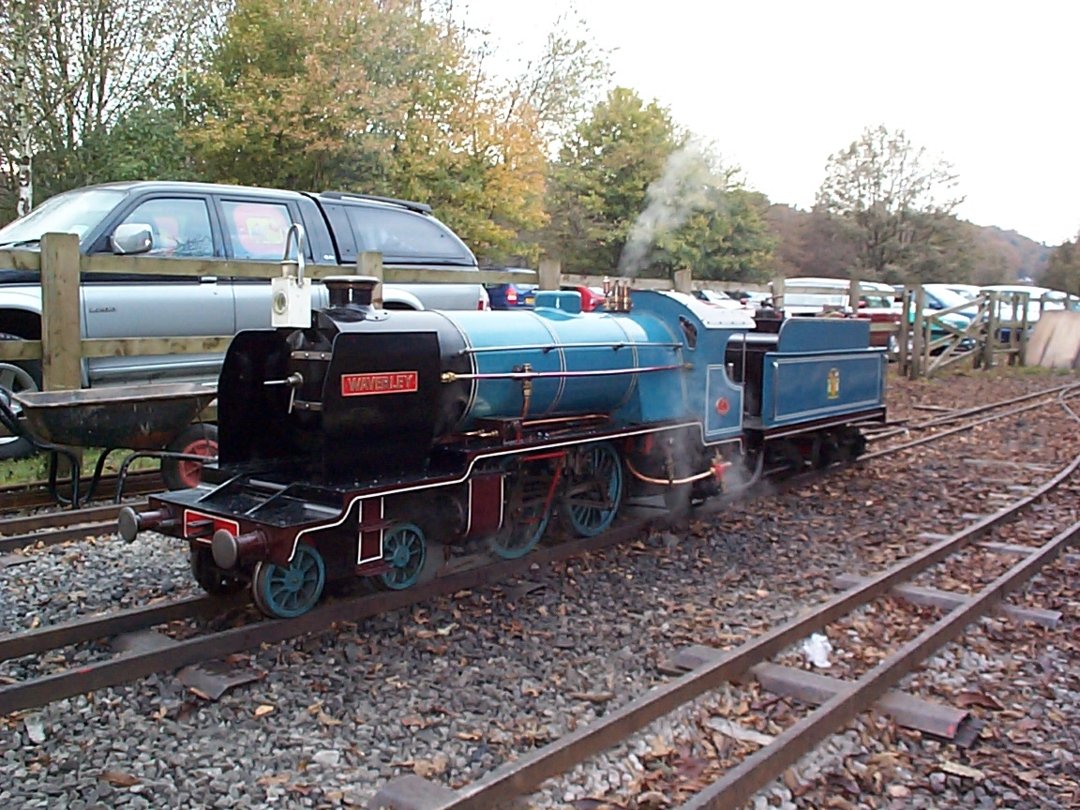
x: 804, y: 387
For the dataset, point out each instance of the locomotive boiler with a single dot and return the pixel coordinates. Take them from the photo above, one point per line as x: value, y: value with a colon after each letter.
x: 372, y: 441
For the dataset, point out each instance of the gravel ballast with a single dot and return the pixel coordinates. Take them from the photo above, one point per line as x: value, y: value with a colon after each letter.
x: 451, y: 689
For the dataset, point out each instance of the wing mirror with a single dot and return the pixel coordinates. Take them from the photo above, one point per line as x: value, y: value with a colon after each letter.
x: 131, y: 238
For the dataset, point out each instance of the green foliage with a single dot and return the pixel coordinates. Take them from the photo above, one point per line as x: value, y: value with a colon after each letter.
x: 630, y: 194
x: 1063, y: 270
x: 896, y: 204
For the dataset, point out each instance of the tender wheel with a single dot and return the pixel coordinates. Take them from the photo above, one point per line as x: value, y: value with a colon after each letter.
x: 211, y: 578
x: 198, y: 440
x: 13, y: 380
x: 284, y: 592
x: 594, y: 489
x: 527, y: 513
x: 405, y: 549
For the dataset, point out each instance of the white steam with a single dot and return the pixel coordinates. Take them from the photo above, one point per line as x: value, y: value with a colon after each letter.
x: 682, y: 188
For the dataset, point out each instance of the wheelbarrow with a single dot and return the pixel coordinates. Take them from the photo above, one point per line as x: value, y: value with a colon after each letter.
x: 156, y: 421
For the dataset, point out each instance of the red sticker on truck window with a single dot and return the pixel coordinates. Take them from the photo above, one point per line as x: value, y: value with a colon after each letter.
x: 383, y: 382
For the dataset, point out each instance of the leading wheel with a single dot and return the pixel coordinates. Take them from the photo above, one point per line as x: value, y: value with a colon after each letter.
x: 594, y: 487
x: 211, y: 578
x: 196, y: 440
x: 527, y: 512
x: 405, y: 549
x: 287, y: 591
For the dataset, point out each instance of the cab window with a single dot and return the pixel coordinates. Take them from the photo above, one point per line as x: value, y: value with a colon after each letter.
x: 179, y: 226
x: 256, y: 230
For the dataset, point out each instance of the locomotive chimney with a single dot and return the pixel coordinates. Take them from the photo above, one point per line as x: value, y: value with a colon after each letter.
x: 351, y: 292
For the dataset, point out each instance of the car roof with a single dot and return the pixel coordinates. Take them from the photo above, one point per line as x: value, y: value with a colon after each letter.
x: 227, y: 188
x: 836, y: 283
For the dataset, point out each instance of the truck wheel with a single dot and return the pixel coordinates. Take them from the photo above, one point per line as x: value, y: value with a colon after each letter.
x: 26, y: 376
x: 197, y: 439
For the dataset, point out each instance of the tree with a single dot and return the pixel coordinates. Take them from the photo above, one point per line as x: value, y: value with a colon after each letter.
x: 1063, y: 270
x: 896, y: 201
x: 631, y: 194
x: 372, y: 97
x: 88, y: 64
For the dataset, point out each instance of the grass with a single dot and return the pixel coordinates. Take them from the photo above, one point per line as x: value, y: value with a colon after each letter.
x: 36, y: 468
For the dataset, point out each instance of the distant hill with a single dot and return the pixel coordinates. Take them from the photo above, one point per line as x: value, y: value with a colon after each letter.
x: 803, y: 249
x: 1014, y: 255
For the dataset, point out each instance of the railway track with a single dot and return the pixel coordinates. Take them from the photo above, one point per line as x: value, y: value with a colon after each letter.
x: 50, y: 528
x: 738, y: 785
x: 16, y: 497
x: 174, y: 653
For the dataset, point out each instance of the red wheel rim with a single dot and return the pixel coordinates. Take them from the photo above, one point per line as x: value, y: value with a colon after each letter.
x: 190, y: 472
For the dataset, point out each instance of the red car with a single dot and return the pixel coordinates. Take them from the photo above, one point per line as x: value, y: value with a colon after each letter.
x: 592, y: 298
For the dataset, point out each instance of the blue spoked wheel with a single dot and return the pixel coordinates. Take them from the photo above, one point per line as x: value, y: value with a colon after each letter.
x: 287, y: 591
x: 594, y: 488
x: 527, y: 514
x: 405, y: 549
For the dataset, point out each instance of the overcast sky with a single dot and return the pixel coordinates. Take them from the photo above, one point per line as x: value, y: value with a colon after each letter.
x: 990, y: 87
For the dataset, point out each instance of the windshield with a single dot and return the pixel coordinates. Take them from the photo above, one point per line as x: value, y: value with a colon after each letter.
x: 76, y: 212
x: 950, y: 298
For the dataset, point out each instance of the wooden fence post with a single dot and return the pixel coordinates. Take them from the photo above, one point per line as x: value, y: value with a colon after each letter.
x: 993, y: 324
x: 61, y: 336
x: 918, y: 336
x: 550, y: 276
x: 369, y: 263
x: 906, y: 319
x: 683, y: 280
x: 777, y: 287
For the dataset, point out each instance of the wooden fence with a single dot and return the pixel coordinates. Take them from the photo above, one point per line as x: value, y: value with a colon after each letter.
x: 62, y: 349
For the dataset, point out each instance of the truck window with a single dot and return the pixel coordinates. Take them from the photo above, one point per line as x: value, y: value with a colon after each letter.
x: 180, y: 226
x: 256, y: 230
x: 405, y: 236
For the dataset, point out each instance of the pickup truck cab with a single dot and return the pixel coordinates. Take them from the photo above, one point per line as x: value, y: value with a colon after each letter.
x: 200, y: 220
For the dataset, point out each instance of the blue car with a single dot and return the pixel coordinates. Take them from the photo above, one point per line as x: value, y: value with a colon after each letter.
x: 515, y: 295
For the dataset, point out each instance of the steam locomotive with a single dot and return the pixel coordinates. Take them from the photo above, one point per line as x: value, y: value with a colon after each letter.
x: 372, y: 442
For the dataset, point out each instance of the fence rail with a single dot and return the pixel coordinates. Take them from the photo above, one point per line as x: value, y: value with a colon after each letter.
x: 926, y: 342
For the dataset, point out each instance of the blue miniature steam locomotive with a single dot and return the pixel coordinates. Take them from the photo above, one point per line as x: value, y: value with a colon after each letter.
x: 373, y: 441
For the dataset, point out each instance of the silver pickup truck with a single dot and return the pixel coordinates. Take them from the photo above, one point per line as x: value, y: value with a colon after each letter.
x: 200, y: 220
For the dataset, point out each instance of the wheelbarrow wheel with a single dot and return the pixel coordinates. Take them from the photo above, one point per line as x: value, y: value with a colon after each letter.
x: 14, y: 379
x: 197, y: 440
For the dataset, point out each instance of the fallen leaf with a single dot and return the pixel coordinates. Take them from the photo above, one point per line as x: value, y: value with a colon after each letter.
x: 469, y: 736
x: 426, y: 768
x: 956, y: 769
x: 445, y: 631
x: 965, y: 699
x: 262, y: 711
x: 119, y: 778
x: 277, y: 779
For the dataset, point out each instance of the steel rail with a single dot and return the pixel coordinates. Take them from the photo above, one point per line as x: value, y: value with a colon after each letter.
x: 739, y: 784
x: 524, y: 774
x: 953, y: 415
x: 951, y: 431
x: 77, y: 631
x: 134, y: 665
x: 24, y: 496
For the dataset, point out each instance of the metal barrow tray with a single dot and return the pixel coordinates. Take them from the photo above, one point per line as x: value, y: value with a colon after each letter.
x: 138, y: 417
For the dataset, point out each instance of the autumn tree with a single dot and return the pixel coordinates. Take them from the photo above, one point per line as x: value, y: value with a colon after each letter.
x: 1063, y: 270
x: 897, y: 203
x: 632, y: 194
x: 372, y: 97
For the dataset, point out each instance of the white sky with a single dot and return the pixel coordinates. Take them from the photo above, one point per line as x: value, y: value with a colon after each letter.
x: 991, y: 87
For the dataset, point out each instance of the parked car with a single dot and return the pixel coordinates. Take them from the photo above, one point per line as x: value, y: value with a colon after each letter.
x: 805, y: 296
x: 201, y: 220
x: 514, y: 295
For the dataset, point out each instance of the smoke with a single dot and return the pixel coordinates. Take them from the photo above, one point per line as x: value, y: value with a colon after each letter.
x: 682, y: 188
